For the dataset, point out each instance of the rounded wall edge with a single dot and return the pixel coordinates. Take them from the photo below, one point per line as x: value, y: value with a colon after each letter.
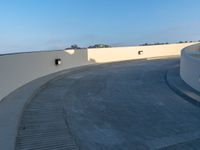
x: 189, y: 66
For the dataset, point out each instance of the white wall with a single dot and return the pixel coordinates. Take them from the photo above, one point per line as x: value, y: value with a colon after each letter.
x: 190, y: 66
x: 104, y: 55
x: 19, y: 69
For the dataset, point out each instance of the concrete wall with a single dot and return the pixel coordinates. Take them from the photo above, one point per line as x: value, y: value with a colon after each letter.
x: 104, y: 55
x: 19, y: 69
x: 190, y: 66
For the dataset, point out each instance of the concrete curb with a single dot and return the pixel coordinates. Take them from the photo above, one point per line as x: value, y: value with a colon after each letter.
x: 182, y: 89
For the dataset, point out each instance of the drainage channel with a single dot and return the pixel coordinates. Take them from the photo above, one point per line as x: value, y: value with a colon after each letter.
x: 43, y: 125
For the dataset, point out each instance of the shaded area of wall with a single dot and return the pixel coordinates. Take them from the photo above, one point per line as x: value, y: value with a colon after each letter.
x: 190, y: 62
x: 19, y: 69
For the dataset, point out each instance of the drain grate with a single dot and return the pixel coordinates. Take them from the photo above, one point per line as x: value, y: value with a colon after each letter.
x: 43, y: 125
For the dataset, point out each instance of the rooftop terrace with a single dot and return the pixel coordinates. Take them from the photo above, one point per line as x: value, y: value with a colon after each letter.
x: 93, y: 100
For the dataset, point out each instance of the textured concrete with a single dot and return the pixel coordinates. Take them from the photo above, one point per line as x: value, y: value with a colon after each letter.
x: 178, y: 85
x: 12, y: 107
x: 119, y: 106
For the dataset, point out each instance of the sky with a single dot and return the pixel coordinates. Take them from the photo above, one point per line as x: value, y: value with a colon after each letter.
x: 32, y: 25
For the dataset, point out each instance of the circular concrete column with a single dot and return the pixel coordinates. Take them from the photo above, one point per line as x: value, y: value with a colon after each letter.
x: 190, y: 66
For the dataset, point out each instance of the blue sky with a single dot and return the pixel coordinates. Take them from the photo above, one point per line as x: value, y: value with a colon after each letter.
x: 27, y: 25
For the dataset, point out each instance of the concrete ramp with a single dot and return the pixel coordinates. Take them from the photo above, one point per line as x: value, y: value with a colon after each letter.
x: 122, y: 106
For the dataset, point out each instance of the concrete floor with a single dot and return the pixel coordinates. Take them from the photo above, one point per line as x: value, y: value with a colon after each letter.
x: 119, y: 106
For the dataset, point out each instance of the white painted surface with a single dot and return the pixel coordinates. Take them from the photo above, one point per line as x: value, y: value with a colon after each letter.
x: 19, y: 69
x: 190, y: 66
x: 104, y: 55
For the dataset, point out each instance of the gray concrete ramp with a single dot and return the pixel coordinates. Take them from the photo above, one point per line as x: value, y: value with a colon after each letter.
x: 43, y: 125
x: 118, y: 106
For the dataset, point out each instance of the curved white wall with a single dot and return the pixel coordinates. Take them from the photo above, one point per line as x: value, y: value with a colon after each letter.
x: 190, y: 66
x: 19, y: 69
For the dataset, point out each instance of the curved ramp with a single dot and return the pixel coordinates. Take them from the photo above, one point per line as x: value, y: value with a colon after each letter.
x: 43, y: 125
x: 124, y: 106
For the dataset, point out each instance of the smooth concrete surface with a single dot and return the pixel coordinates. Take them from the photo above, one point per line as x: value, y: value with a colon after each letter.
x: 19, y: 69
x: 105, y: 55
x: 190, y: 62
x: 122, y: 106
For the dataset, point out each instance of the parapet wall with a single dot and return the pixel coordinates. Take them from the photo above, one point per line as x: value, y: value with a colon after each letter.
x: 18, y: 69
x: 104, y: 55
x: 190, y: 66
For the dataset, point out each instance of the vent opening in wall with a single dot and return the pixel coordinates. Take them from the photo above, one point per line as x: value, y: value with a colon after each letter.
x: 140, y: 52
x: 58, y: 61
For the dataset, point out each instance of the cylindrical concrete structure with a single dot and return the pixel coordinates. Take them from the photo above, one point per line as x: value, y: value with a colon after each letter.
x: 190, y: 66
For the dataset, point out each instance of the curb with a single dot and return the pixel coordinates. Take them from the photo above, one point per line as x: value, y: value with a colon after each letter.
x: 175, y: 83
